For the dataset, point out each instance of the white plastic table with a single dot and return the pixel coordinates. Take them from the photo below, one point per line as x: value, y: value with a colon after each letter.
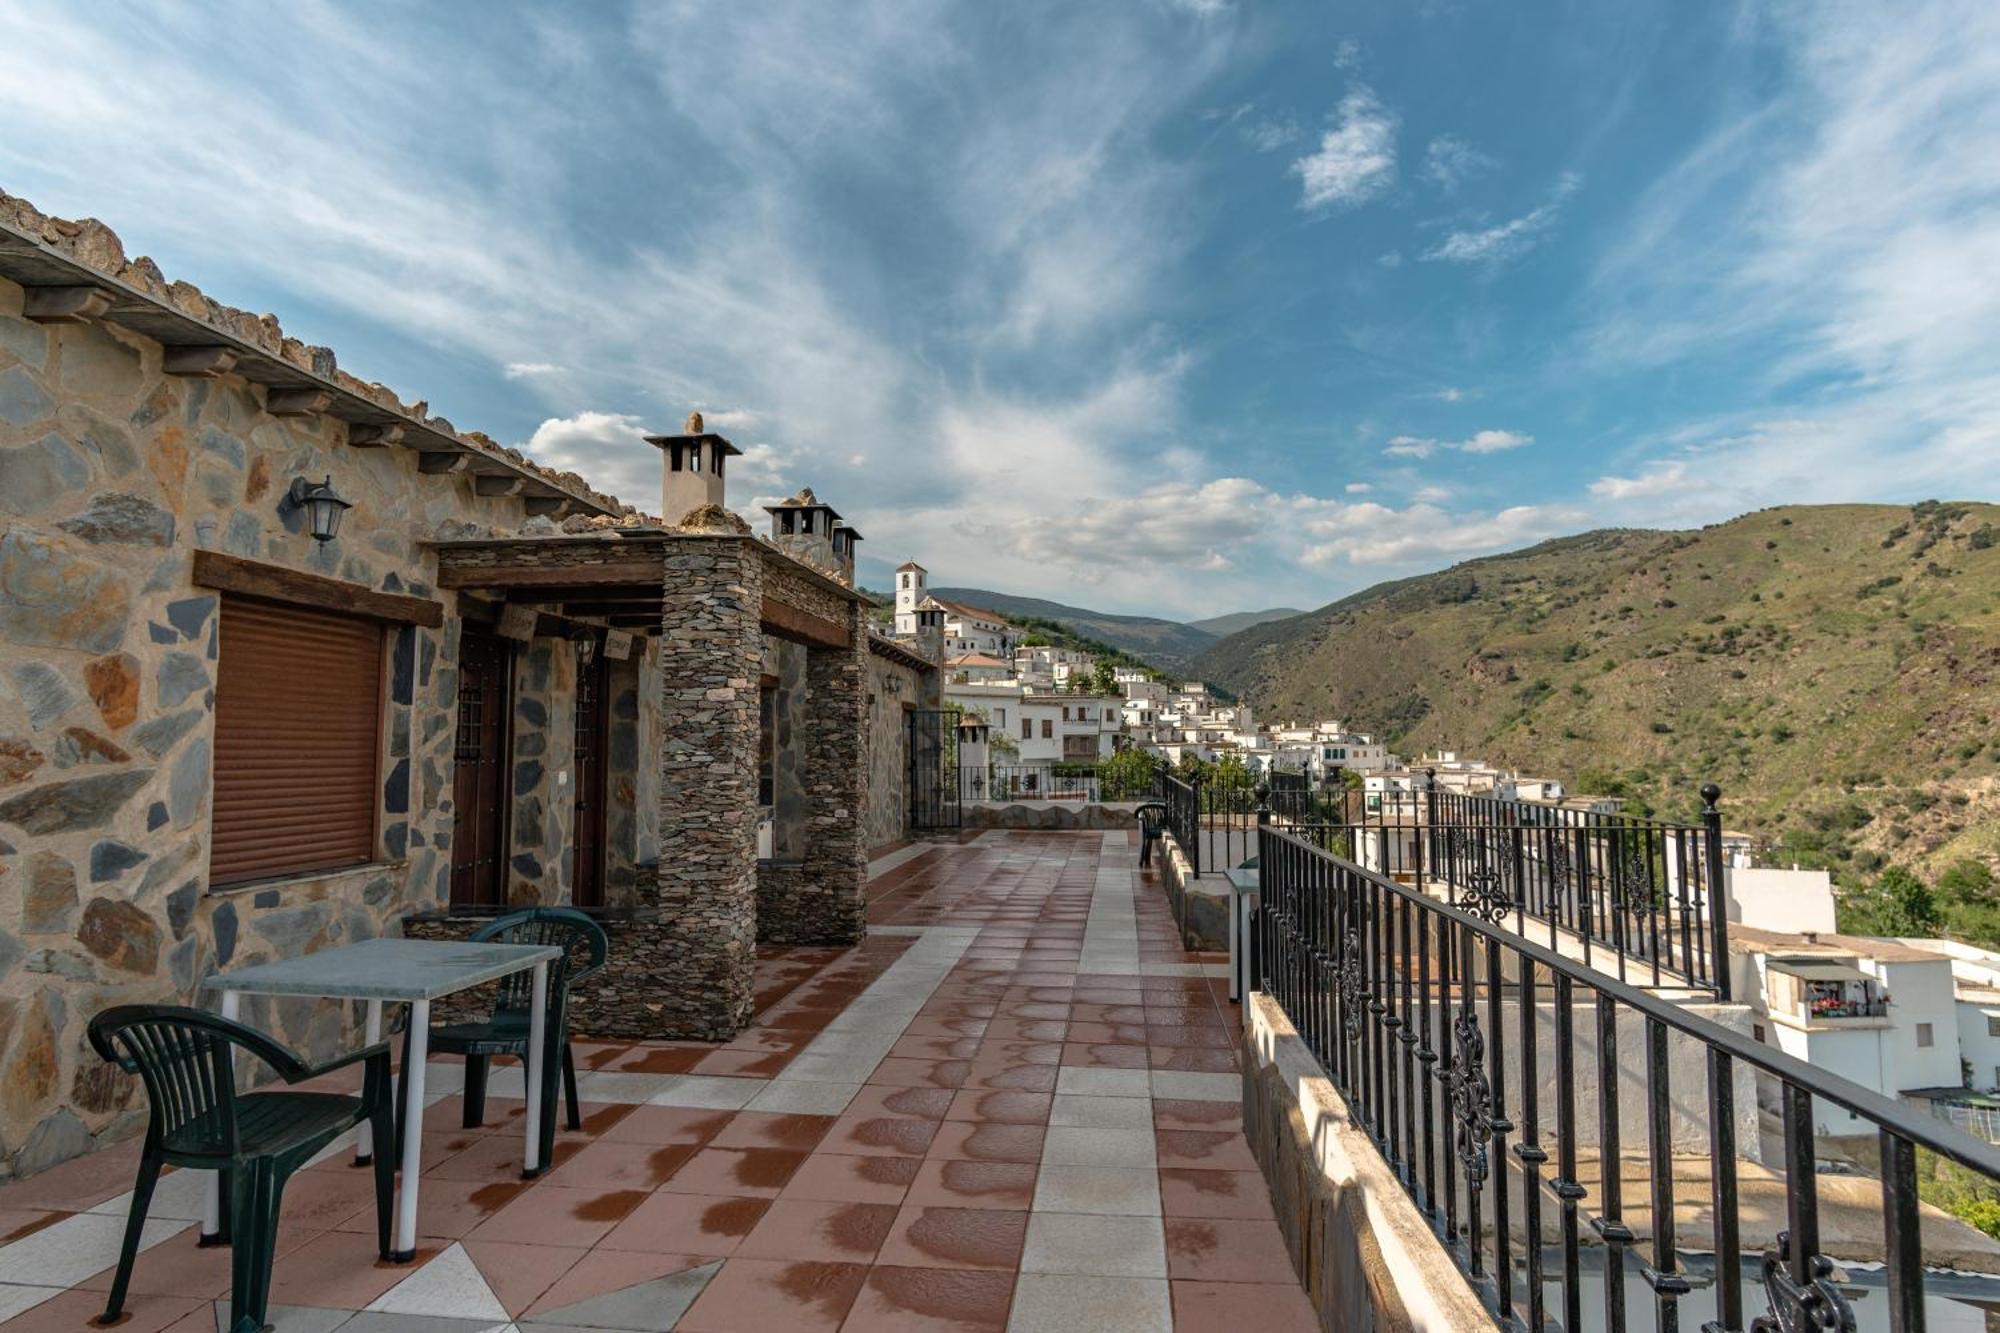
x: 412, y: 972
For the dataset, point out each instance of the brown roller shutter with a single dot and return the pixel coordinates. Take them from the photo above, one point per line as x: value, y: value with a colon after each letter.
x: 298, y: 716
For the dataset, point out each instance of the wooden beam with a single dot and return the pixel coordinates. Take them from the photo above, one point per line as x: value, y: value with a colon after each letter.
x: 199, y: 363
x: 277, y: 583
x: 297, y: 402
x: 503, y: 484
x: 438, y: 462
x: 587, y: 592
x: 374, y: 437
x: 788, y: 622
x: 64, y: 305
x: 548, y: 506
x: 636, y: 573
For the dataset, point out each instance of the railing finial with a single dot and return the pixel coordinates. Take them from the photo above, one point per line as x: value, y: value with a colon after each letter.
x: 1710, y: 794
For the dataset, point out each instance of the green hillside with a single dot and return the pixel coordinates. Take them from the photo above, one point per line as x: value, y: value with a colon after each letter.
x: 1835, y: 668
x: 1238, y: 621
x: 1167, y: 644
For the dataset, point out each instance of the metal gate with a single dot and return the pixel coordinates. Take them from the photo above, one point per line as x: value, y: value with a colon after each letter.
x: 933, y: 777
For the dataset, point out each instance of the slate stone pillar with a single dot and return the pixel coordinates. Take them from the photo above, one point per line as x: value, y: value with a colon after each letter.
x: 711, y: 656
x: 824, y: 904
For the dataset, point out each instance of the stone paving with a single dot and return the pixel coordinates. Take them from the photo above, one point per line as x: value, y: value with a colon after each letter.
x: 1016, y: 1106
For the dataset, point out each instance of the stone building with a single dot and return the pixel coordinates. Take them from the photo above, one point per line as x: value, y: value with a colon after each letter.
x: 224, y: 740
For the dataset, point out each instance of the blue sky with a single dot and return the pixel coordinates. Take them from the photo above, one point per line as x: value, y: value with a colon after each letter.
x: 1171, y: 306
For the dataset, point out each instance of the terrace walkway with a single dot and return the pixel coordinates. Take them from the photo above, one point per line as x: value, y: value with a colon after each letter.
x: 1015, y: 1107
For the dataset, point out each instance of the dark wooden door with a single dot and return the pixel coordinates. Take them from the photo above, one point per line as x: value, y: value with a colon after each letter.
x: 593, y: 707
x: 479, y: 777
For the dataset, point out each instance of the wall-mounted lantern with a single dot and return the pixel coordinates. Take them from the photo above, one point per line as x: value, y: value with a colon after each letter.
x: 585, y: 642
x: 323, y: 507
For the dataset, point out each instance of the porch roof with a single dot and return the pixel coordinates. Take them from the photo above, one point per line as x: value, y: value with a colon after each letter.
x: 618, y: 576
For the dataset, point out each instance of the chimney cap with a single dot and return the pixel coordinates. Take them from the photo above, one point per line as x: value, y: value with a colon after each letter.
x: 717, y: 441
x: 805, y: 499
x: 853, y: 533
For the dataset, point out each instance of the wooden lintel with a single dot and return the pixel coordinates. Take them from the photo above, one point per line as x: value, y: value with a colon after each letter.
x: 788, y: 622
x: 637, y: 573
x: 374, y: 437
x: 64, y: 305
x: 277, y: 583
x: 503, y: 484
x: 634, y: 622
x: 303, y: 402
x: 197, y: 362
x: 437, y: 462
x: 548, y: 506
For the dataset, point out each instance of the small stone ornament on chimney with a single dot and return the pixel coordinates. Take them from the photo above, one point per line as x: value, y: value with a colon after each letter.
x: 691, y: 470
x: 802, y: 527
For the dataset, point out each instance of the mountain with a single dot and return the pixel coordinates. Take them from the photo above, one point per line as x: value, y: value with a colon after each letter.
x: 1238, y: 621
x: 1835, y: 668
x: 1167, y: 644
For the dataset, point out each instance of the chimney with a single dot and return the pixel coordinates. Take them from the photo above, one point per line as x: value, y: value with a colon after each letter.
x: 844, y: 538
x: 930, y: 632
x: 802, y: 527
x: 690, y: 470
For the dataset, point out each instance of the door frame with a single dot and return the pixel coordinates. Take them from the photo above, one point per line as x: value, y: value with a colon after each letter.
x: 504, y: 791
x: 600, y: 668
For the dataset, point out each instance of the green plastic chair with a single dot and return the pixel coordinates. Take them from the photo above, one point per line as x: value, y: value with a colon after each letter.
x: 255, y: 1140
x: 1152, y: 816
x: 505, y: 1030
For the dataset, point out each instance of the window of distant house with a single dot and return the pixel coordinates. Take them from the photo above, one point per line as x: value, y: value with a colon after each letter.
x: 1027, y: 728
x: 298, y: 723
x: 1993, y: 1025
x: 1923, y: 1034
x: 1048, y: 728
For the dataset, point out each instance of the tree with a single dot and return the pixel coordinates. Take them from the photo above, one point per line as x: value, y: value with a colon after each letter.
x: 1907, y: 904
x: 1104, y: 680
x: 1127, y: 775
x: 1966, y: 882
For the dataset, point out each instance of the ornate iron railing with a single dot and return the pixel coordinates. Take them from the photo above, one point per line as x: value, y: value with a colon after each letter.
x: 1183, y: 799
x: 1450, y: 1034
x: 1645, y: 896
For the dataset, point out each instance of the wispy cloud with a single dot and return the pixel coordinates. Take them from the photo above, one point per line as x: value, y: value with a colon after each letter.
x: 1480, y: 442
x: 1507, y: 240
x: 1450, y: 161
x: 1356, y: 158
x: 1662, y: 480
x: 524, y: 370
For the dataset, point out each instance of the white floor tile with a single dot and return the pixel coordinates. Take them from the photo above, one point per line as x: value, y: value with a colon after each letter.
x: 1096, y: 1246
x: 1079, y: 1112
x: 1093, y: 1082
x: 1179, y: 1085
x: 16, y: 1298
x: 1120, y: 1191
x: 797, y: 1097
x: 450, y: 1285
x: 1071, y: 1146
x: 1065, y: 1303
x: 71, y: 1250
x: 707, y: 1092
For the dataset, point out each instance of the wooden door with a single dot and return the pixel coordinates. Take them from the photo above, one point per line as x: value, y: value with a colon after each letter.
x: 479, y: 777
x: 593, y: 709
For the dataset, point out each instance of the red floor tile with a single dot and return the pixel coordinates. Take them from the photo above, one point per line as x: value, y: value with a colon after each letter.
x: 852, y: 1179
x: 1227, y: 1250
x: 709, y: 1225
x: 932, y: 1300
x: 988, y: 1238
x: 760, y: 1294
x: 1235, y: 1307
x: 819, y: 1230
x: 758, y: 1172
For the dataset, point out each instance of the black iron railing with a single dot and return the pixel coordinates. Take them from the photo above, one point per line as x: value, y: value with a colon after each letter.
x: 1499, y: 1079
x: 1183, y: 799
x: 1054, y: 781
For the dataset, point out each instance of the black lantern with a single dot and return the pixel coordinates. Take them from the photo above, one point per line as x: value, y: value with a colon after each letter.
x: 323, y: 507
x: 585, y: 642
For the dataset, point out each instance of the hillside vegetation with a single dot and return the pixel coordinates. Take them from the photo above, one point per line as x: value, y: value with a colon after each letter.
x: 1835, y: 668
x: 1167, y: 644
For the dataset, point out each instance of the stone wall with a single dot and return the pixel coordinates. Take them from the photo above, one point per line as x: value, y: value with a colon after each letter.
x: 894, y: 688
x: 711, y: 658
x: 111, y: 474
x: 1201, y: 906
x: 632, y: 776
x: 822, y: 903
x: 544, y: 809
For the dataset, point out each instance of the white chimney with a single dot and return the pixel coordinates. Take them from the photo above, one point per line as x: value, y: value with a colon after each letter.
x: 691, y: 466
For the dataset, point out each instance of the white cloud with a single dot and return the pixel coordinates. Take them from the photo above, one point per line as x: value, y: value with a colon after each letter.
x: 607, y: 447
x: 1507, y: 240
x: 1450, y: 395
x: 1390, y: 259
x: 1480, y: 442
x: 1356, y: 160
x: 1450, y: 161
x: 1268, y: 136
x: 1347, y: 55
x: 1375, y: 535
x: 1431, y: 495
x: 1495, y: 441
x: 1663, y: 479
x: 1359, y: 488
x: 521, y: 370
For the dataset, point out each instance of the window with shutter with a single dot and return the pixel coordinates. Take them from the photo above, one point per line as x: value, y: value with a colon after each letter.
x: 298, y: 719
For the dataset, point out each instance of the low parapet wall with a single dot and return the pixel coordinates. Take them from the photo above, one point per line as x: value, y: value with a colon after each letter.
x: 1365, y: 1255
x: 1200, y: 906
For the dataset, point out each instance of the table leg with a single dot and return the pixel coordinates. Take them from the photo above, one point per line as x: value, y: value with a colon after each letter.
x: 211, y: 1206
x: 538, y: 1003
x: 364, y: 1138
x: 413, y: 1132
